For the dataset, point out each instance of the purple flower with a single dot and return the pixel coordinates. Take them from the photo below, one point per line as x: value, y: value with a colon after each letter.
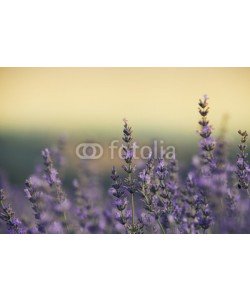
x: 145, y: 178
x: 161, y: 170
x: 121, y: 204
x: 207, y: 144
x: 128, y: 156
x: 206, y: 131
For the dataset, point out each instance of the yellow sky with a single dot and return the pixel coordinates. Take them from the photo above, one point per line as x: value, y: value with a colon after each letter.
x: 160, y: 98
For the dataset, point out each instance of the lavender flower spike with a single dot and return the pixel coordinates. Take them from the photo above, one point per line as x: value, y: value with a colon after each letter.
x: 207, y: 143
x: 120, y: 201
x: 53, y: 180
x: 36, y: 200
x: 51, y: 172
x: 242, y: 164
x: 8, y: 216
x: 145, y: 185
x: 128, y: 153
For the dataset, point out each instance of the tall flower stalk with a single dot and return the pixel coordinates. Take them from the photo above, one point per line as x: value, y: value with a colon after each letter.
x: 207, y: 143
x: 8, y: 216
x: 146, y: 178
x: 242, y: 163
x: 207, y: 167
x: 53, y: 180
x: 36, y: 199
x: 121, y: 202
x: 129, y: 168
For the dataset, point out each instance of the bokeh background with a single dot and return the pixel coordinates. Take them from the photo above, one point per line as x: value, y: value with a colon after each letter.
x: 88, y: 104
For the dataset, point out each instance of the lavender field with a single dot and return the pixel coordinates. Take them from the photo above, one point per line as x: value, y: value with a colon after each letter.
x: 149, y: 196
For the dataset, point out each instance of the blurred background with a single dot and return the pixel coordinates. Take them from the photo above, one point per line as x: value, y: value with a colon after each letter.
x: 88, y: 104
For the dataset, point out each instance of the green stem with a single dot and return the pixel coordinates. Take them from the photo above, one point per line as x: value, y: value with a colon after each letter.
x: 162, y: 229
x: 66, y: 222
x: 133, y: 209
x: 132, y: 202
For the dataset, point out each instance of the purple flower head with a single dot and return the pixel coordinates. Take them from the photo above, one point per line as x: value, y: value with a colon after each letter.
x: 241, y: 163
x: 161, y: 170
x: 206, y: 131
x: 47, y: 158
x: 145, y: 178
x: 204, y: 218
x: 121, y: 204
x: 207, y: 144
x: 27, y: 193
x: 53, y: 177
x: 124, y: 217
x: 128, y: 156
